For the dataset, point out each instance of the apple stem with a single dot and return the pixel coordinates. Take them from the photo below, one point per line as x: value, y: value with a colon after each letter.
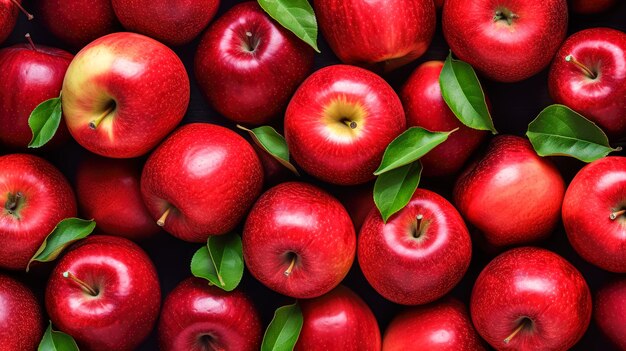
x: 349, y: 123
x: 30, y: 17
x: 161, y: 221
x: 417, y: 228
x: 290, y: 268
x: 613, y: 216
x: 82, y: 284
x: 96, y: 122
x: 588, y: 72
x: 517, y: 330
x: 30, y: 41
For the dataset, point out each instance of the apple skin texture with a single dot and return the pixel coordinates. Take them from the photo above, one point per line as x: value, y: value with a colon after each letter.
x: 20, y: 316
x: 47, y: 198
x: 199, y: 317
x: 503, y: 52
x: 601, y: 99
x: 300, y: 221
x: 536, y: 284
x: 610, y: 312
x: 208, y: 175
x: 409, y: 270
x: 8, y: 18
x: 126, y: 307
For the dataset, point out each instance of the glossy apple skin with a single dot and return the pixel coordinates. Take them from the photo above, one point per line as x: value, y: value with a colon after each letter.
x: 268, y: 66
x: 378, y: 34
x: 47, y: 198
x: 441, y: 326
x: 484, y: 194
x: 409, y: 270
x: 77, y: 22
x: 591, y: 6
x: 603, y: 50
x: 193, y: 310
x: 208, y: 175
x: 299, y: 219
x: 424, y: 107
x: 20, y: 316
x: 29, y: 78
x: 127, y: 305
x: 145, y: 82
x: 502, y: 52
x: 8, y: 18
x: 536, y: 284
x: 108, y: 191
x: 610, y: 312
x: 316, y: 124
x: 173, y: 22
x: 338, y: 320
x: 598, y: 190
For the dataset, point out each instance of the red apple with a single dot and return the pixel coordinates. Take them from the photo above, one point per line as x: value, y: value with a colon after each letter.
x: 35, y: 197
x: 248, y: 66
x: 201, y: 181
x: 420, y: 254
x: 123, y: 93
x: 610, y: 312
x: 442, y: 326
x: 594, y: 213
x: 298, y: 240
x: 589, y: 75
x: 199, y: 317
x: 105, y: 293
x: 31, y: 75
x: 439, y: 4
x: 530, y: 299
x: 424, y: 107
x: 377, y: 34
x: 9, y: 9
x: 273, y: 171
x: 339, y: 123
x: 508, y: 40
x: 338, y: 320
x: 511, y: 195
x: 173, y: 22
x: 591, y: 6
x: 108, y: 191
x: 20, y: 316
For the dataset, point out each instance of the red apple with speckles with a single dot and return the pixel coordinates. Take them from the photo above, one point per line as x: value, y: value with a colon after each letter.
x: 530, y: 299
x: 123, y: 93
x: 34, y: 197
x: 105, y: 293
x: 610, y: 312
x: 199, y: 317
x: 591, y: 6
x: 248, y: 65
x: 589, y: 75
x: 420, y: 254
x: 424, y: 107
x: 594, y: 213
x: 201, y: 181
x: 298, y: 240
x: 381, y: 35
x: 339, y: 123
x: 511, y: 195
x: 108, y: 191
x: 20, y: 316
x: 506, y: 40
x: 9, y: 9
x: 441, y: 326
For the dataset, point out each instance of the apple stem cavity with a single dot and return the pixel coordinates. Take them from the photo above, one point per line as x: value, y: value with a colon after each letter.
x: 30, y: 17
x: 96, y: 122
x: 250, y: 43
x: 589, y: 73
x: 613, y: 216
x: 82, y: 284
x: 418, y: 226
x: 505, y: 15
x: 289, y: 269
x: 519, y: 328
x: 13, y: 202
x: 30, y: 41
x: 161, y: 220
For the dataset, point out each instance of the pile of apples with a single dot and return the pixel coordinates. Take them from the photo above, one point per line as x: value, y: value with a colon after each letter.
x: 328, y: 197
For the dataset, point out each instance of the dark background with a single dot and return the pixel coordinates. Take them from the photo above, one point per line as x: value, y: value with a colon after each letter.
x: 514, y: 106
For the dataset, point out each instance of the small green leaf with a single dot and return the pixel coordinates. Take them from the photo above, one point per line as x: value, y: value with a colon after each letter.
x: 220, y: 261
x: 295, y: 15
x: 44, y: 122
x: 268, y: 139
x: 394, y: 189
x: 559, y: 130
x: 284, y: 330
x: 65, y: 233
x: 463, y: 93
x: 409, y: 147
x: 56, y: 341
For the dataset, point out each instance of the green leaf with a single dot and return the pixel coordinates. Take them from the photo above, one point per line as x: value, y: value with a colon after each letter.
x: 462, y: 92
x: 394, y: 189
x: 65, y: 233
x: 295, y: 15
x: 44, y: 122
x: 409, y: 147
x: 559, y: 130
x: 220, y: 261
x: 268, y: 139
x: 56, y: 341
x: 284, y: 330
